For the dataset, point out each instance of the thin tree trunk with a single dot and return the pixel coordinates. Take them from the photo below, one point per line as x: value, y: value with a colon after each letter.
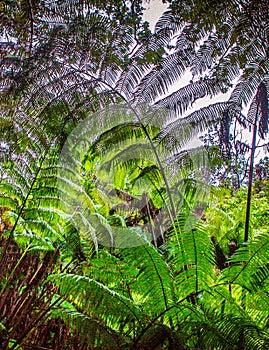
x: 250, y: 176
x: 246, y: 234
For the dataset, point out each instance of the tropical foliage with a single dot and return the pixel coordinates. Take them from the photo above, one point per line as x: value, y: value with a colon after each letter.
x: 111, y: 241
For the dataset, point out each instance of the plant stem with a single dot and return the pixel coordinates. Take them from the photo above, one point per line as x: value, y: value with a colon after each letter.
x: 250, y: 176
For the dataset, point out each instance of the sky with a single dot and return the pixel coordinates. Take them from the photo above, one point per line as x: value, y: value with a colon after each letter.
x: 154, y: 8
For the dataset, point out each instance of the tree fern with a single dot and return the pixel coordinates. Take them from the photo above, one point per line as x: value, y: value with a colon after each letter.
x: 174, y: 295
x: 191, y: 257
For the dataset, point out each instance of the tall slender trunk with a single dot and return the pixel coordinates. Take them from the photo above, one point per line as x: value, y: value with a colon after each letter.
x: 246, y: 233
x: 250, y: 176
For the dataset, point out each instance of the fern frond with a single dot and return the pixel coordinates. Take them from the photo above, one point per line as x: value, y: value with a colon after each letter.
x: 191, y: 256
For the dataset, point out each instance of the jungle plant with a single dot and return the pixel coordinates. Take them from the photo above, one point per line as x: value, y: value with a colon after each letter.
x: 173, y: 293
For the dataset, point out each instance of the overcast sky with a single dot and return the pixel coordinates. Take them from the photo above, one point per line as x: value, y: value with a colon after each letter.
x: 154, y: 8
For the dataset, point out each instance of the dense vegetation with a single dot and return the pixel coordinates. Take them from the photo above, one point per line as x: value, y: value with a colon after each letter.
x: 121, y: 239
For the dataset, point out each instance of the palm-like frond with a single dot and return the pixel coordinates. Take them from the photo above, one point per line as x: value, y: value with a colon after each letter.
x: 250, y: 260
x: 169, y: 295
x: 191, y: 257
x: 95, y: 304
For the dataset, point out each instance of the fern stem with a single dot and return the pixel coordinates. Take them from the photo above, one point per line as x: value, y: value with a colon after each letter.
x: 22, y: 207
x: 241, y: 345
x: 13, y: 271
x: 42, y: 313
x: 195, y: 262
x: 160, y: 278
x: 250, y: 176
x: 149, y: 139
x: 152, y: 323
